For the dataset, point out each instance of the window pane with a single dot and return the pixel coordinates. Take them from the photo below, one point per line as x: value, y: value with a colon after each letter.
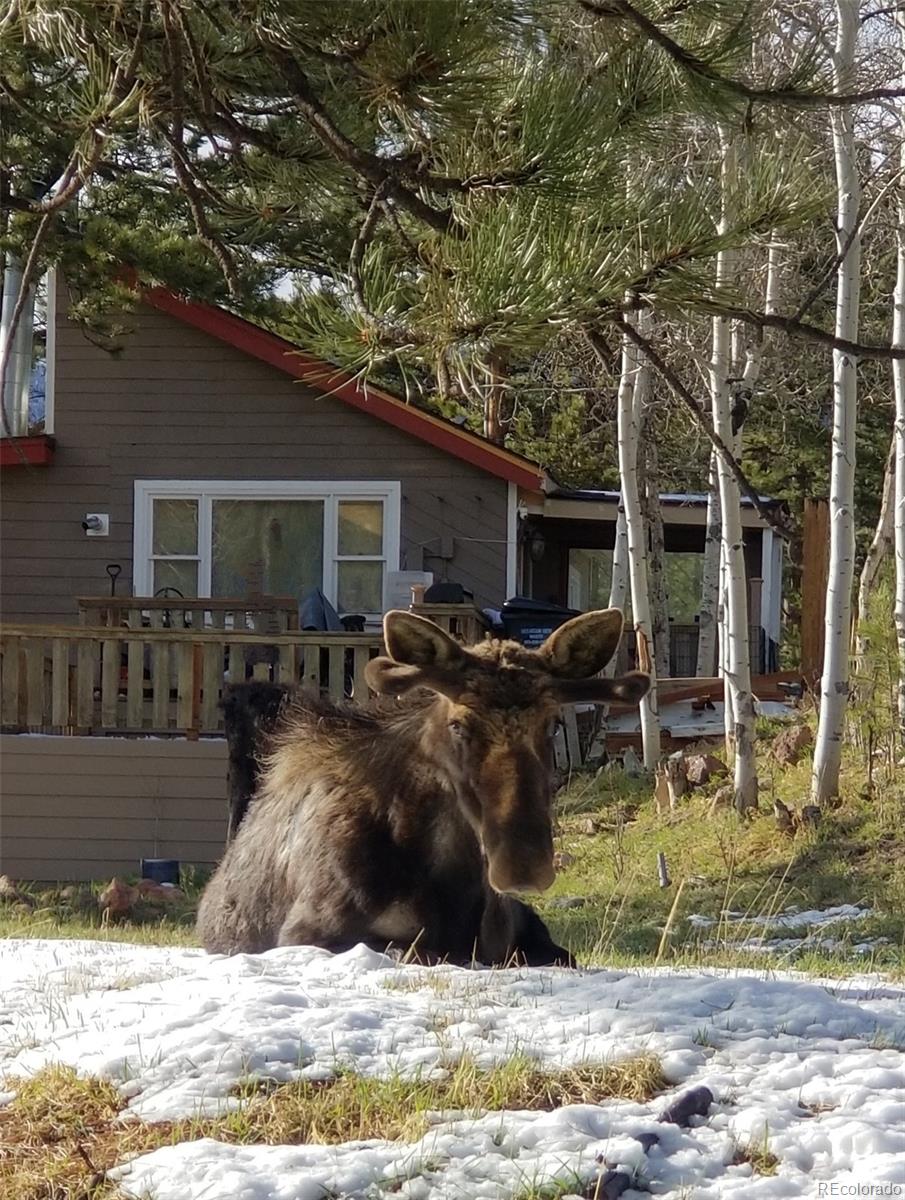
x: 183, y: 576
x: 590, y: 578
x: 360, y: 587
x: 270, y: 546
x: 684, y: 580
x: 175, y: 527
x: 360, y: 527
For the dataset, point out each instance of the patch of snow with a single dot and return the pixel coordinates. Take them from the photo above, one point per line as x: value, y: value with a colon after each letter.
x: 814, y: 1067
x: 791, y: 918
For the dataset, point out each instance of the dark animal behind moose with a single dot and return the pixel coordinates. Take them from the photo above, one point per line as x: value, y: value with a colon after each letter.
x: 414, y: 825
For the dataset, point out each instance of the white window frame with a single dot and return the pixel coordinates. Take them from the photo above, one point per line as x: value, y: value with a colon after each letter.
x: 205, y: 491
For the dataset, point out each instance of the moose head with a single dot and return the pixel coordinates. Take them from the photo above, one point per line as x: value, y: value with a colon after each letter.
x: 489, y: 729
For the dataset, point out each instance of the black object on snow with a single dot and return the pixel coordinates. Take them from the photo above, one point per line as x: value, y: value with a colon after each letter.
x: 648, y: 1140
x: 694, y: 1103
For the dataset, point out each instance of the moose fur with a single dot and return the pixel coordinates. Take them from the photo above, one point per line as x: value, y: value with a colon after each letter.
x: 411, y: 825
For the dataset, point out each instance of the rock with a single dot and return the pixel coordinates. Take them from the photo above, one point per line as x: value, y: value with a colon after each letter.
x: 784, y: 820
x: 701, y: 768
x: 631, y: 764
x: 151, y: 890
x: 568, y: 902
x: 588, y: 826
x: 10, y: 894
x: 117, y: 898
x: 788, y: 745
x: 810, y: 815
x: 693, y: 1103
x: 562, y: 859
x: 723, y: 797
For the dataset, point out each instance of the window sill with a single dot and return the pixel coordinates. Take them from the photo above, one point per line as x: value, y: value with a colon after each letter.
x: 35, y: 451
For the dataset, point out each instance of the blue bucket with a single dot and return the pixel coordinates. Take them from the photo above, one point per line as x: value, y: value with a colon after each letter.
x: 161, y: 870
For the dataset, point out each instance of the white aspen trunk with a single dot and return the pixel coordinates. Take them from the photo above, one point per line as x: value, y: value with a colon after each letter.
x: 710, y: 584
x: 618, y: 581
x: 876, y: 553
x: 656, y: 562
x: 619, y: 578
x: 628, y: 423
x: 736, y: 653
x: 834, y: 682
x: 650, y: 501
x: 898, y: 381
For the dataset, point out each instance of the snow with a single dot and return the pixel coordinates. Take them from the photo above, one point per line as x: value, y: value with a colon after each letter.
x: 813, y: 1067
x: 791, y: 918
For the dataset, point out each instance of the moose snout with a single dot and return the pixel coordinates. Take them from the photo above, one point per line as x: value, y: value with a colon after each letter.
x: 518, y: 877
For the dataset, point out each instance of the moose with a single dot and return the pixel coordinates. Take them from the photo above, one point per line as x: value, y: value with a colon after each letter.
x: 415, y: 823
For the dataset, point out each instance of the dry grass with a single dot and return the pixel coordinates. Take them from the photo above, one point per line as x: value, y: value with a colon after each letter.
x: 61, y: 1134
x: 758, y: 1154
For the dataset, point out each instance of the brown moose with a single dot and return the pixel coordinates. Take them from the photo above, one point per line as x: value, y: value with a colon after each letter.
x: 411, y: 825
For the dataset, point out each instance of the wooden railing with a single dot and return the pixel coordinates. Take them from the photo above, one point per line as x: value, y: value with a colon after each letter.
x: 261, y: 614
x: 68, y: 679
x: 461, y: 621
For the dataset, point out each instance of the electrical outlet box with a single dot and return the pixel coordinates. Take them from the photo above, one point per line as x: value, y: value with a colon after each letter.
x: 96, y: 524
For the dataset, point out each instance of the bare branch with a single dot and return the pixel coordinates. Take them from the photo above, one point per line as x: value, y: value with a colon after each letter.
x: 690, y: 62
x: 650, y: 352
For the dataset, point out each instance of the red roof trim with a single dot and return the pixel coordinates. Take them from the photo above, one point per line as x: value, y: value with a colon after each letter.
x: 36, y: 451
x: 328, y: 379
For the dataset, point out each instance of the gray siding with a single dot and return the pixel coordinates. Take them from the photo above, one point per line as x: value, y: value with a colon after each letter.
x: 78, y: 808
x: 179, y: 404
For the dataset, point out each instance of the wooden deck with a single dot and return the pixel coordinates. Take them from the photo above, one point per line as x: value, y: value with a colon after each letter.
x: 81, y: 680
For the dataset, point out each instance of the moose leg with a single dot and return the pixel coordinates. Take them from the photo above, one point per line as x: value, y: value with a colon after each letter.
x: 533, y: 942
x: 305, y: 927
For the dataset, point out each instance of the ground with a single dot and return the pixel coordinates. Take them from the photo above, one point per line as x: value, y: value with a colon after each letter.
x: 770, y: 970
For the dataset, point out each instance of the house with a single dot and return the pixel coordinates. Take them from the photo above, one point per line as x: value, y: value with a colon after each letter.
x: 218, y: 460
x: 210, y: 458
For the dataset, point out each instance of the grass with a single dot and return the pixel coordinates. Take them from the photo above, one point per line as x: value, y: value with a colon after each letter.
x: 721, y: 862
x: 609, y: 827
x: 758, y: 1155
x: 60, y: 911
x: 61, y: 1134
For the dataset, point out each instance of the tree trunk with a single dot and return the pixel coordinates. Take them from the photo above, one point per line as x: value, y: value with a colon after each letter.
x: 736, y: 655
x: 834, y: 682
x: 898, y: 379
x: 877, y: 551
x: 710, y: 584
x: 628, y: 425
x: 649, y: 490
x: 495, y: 421
x: 619, y: 578
x: 656, y: 562
x: 618, y: 583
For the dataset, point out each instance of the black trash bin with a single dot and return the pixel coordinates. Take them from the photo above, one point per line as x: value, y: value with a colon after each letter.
x: 532, y: 621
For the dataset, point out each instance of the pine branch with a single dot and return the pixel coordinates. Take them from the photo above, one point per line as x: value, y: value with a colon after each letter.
x: 376, y: 170
x: 175, y: 137
x: 690, y: 62
x: 697, y: 411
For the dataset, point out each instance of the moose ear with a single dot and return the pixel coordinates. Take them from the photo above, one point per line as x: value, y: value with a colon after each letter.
x: 584, y: 645
x: 629, y: 689
x: 418, y: 642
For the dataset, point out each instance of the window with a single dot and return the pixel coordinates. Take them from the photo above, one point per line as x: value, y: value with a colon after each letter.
x: 590, y: 573
x: 232, y: 539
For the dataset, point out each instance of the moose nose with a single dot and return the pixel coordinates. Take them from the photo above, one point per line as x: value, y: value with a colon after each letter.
x: 520, y: 877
